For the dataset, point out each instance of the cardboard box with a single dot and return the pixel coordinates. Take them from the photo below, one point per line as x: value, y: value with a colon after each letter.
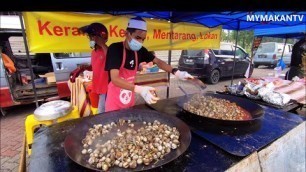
x: 50, y: 77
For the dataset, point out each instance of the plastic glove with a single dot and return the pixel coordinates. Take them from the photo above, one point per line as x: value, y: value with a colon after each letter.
x: 146, y: 93
x: 183, y: 75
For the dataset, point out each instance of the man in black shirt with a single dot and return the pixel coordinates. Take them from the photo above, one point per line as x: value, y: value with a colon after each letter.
x: 297, y: 51
x: 296, y: 60
x: 122, y: 62
x: 115, y: 54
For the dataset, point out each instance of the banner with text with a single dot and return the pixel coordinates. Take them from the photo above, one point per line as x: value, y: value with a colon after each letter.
x: 58, y: 32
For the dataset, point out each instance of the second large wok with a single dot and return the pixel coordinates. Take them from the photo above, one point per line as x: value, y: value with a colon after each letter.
x: 73, y: 141
x: 255, y: 110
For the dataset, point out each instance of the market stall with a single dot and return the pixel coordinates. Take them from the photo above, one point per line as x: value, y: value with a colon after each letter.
x: 212, y: 147
x: 228, y: 20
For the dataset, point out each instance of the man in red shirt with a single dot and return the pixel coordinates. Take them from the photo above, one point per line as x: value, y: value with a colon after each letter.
x: 98, y: 36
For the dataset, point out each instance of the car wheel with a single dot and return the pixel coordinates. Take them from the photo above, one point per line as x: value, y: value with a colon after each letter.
x: 256, y: 65
x: 214, y: 77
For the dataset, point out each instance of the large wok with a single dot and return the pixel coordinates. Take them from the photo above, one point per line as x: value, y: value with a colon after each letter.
x: 254, y: 109
x: 73, y: 145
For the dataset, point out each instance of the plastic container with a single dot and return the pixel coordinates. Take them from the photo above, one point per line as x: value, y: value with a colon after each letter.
x: 153, y: 69
x: 277, y: 71
x: 52, y: 110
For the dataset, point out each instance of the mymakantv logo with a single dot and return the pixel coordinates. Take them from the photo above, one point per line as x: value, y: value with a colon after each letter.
x: 275, y: 17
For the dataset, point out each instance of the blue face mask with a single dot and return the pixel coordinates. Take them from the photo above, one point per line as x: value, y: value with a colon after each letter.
x: 134, y: 45
x: 92, y: 44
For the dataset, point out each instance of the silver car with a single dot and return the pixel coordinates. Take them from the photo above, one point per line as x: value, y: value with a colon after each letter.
x: 270, y: 53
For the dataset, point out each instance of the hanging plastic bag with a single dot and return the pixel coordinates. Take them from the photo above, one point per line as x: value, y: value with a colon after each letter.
x: 281, y: 64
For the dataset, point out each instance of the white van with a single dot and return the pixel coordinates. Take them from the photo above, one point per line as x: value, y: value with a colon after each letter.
x: 14, y: 91
x: 269, y: 53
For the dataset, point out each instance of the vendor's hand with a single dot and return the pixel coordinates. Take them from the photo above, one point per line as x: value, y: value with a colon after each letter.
x: 146, y: 93
x: 183, y: 75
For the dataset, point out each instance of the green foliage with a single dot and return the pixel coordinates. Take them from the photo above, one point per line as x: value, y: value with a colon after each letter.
x: 245, y: 38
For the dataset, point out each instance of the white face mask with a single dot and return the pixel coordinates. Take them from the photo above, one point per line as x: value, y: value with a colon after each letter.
x: 92, y: 44
x: 134, y: 45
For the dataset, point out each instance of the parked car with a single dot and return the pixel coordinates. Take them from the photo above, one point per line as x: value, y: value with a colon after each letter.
x: 214, y: 64
x: 270, y: 53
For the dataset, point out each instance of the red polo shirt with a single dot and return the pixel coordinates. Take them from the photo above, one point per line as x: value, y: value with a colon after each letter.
x: 100, y: 76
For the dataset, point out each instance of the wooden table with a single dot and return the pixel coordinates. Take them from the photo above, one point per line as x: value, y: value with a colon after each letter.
x: 152, y: 79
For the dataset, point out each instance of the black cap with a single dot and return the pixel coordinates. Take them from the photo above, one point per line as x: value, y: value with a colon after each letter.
x: 95, y: 29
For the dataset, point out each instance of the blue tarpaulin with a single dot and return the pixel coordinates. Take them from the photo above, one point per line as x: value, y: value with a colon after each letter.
x: 229, y: 20
x: 282, y: 32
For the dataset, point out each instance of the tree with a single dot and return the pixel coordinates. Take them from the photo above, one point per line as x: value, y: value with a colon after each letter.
x: 245, y: 39
x: 224, y: 36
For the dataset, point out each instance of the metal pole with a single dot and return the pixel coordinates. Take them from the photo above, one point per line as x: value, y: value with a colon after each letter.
x: 170, y: 54
x: 252, y: 49
x: 28, y: 58
x: 169, y: 62
x: 235, y: 53
x: 252, y: 54
x: 284, y: 47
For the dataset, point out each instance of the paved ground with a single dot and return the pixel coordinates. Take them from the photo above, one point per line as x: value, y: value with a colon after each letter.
x: 12, y: 125
x: 12, y: 132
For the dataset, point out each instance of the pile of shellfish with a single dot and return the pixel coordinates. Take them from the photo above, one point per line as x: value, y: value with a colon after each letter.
x: 217, y: 108
x: 129, y: 148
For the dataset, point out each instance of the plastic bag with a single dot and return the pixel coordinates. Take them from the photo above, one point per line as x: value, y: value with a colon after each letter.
x: 281, y: 64
x: 276, y: 98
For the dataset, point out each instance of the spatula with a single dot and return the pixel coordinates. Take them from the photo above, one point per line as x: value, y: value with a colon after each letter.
x: 198, y: 83
x: 183, y: 91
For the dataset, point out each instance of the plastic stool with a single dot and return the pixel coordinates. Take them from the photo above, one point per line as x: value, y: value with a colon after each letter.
x: 74, y: 114
x: 31, y: 124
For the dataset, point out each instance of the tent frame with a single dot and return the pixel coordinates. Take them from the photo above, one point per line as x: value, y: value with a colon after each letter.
x: 28, y: 59
x: 231, y: 16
